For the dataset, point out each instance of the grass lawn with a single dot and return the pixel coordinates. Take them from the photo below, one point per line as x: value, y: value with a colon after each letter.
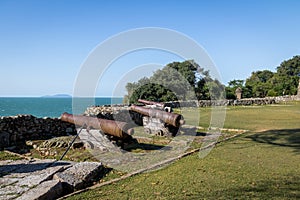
x: 263, y: 163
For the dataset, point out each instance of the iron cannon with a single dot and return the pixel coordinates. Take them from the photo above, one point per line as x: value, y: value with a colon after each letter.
x: 159, y: 122
x: 169, y: 118
x: 117, y: 129
x: 146, y: 102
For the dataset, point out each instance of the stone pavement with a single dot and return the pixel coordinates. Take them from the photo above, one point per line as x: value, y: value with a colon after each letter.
x: 45, y: 179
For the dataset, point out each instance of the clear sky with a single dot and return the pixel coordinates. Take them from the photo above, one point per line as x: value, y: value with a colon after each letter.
x: 43, y: 43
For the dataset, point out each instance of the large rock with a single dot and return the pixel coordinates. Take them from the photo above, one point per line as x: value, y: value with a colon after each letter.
x: 45, y: 179
x: 19, y: 177
x: 46, y: 190
x: 81, y: 174
x: 37, y: 177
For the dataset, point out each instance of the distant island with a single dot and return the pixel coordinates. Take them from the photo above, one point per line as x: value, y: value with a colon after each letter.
x: 57, y: 96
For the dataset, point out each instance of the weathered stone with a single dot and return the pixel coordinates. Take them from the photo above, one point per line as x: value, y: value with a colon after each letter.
x: 46, y: 190
x: 38, y: 177
x: 18, y: 177
x: 81, y: 174
x: 12, y: 191
x: 95, y: 140
x: 69, y: 130
x: 238, y: 93
x: 6, y: 181
x: 4, y: 139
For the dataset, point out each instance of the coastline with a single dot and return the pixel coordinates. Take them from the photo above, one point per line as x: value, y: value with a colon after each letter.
x: 50, y: 106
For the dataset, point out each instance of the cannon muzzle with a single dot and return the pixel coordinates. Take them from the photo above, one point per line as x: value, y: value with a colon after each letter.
x: 115, y: 128
x: 169, y: 118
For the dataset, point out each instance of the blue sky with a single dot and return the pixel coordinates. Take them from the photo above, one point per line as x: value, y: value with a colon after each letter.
x: 44, y: 43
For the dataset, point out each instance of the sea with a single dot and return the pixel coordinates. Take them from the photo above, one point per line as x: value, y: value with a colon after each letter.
x: 51, y: 106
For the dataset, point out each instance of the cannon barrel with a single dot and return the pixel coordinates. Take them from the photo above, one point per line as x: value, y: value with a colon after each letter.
x: 115, y: 128
x: 146, y: 102
x: 169, y: 118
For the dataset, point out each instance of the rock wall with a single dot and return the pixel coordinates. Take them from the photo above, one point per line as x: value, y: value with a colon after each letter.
x: 121, y: 111
x: 17, y: 129
x: 231, y: 102
x: 115, y: 112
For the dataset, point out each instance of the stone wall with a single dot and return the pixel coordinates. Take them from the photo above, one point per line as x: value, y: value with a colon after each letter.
x: 118, y: 111
x: 231, y: 102
x: 115, y: 112
x: 17, y: 129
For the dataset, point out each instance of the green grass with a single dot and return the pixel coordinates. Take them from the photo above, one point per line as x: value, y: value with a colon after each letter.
x: 253, y: 118
x: 8, y: 156
x: 261, y: 164
x: 76, y: 155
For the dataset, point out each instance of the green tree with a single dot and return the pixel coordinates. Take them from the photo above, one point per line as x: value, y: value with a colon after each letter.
x: 259, y: 83
x: 233, y: 85
x: 266, y: 83
x: 177, y: 80
x: 285, y: 81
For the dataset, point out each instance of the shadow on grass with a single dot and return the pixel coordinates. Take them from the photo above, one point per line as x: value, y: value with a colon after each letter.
x: 283, y: 137
x: 145, y: 147
x: 192, y: 132
x: 280, y: 188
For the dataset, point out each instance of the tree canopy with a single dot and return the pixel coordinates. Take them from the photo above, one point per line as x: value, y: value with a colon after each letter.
x: 187, y: 81
x: 176, y: 81
x: 267, y: 83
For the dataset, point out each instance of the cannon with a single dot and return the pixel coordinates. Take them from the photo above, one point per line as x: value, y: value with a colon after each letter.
x: 157, y: 105
x: 169, y: 118
x: 121, y: 130
x: 146, y: 102
x: 159, y: 122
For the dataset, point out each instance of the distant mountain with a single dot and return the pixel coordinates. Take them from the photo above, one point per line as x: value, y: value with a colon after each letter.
x: 58, y: 96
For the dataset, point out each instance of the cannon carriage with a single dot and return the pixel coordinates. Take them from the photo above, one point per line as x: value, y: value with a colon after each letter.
x: 157, y: 119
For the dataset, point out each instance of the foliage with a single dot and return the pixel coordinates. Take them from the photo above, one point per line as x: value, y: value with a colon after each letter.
x: 286, y: 79
x: 176, y: 81
x: 259, y: 83
x: 232, y: 86
x: 187, y: 80
x: 266, y: 83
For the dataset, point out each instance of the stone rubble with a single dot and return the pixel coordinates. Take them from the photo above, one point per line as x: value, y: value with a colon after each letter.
x: 45, y: 179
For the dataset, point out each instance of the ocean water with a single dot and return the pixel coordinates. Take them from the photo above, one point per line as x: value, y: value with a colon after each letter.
x: 49, y: 106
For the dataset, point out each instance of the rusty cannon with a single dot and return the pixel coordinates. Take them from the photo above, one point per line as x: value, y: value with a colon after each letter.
x: 121, y: 130
x: 146, y: 102
x: 159, y: 122
x: 169, y: 118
